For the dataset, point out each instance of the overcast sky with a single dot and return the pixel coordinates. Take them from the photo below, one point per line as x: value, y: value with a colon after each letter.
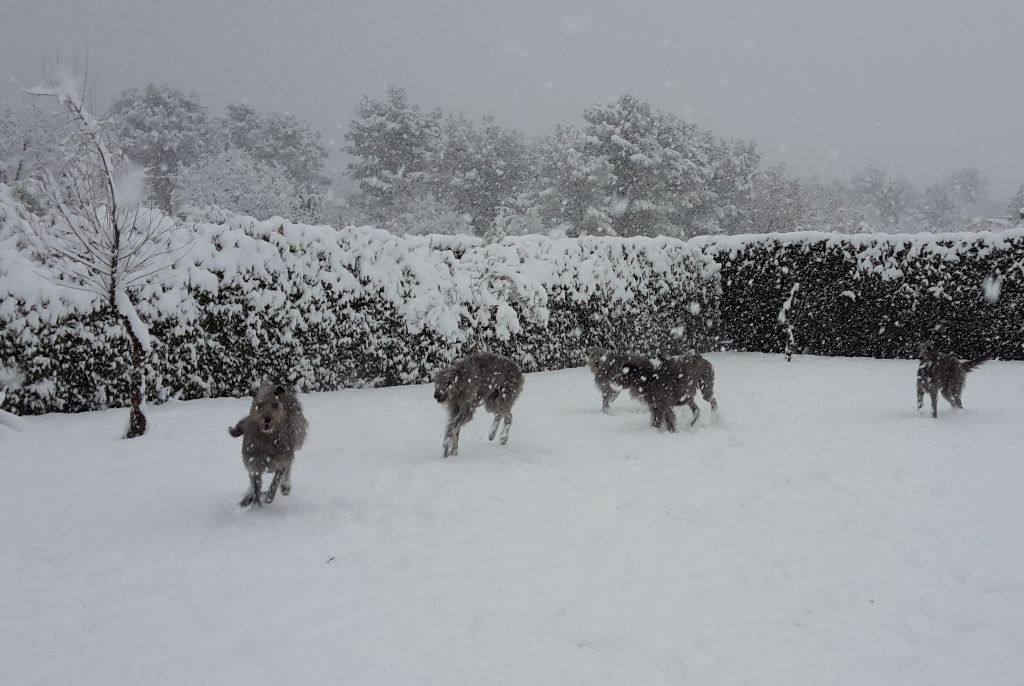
x: 919, y: 88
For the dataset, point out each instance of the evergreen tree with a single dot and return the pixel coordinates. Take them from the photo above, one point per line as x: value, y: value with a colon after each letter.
x: 279, y: 139
x: 393, y: 143
x: 162, y: 128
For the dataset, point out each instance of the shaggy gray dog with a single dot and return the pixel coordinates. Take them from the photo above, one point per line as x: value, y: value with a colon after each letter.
x: 605, y: 365
x: 272, y: 431
x: 479, y: 379
x: 658, y: 384
x: 661, y: 384
x: 942, y: 373
x: 697, y: 374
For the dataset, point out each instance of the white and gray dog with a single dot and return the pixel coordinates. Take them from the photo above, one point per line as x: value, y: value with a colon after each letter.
x: 272, y: 431
x: 479, y: 379
x: 942, y: 373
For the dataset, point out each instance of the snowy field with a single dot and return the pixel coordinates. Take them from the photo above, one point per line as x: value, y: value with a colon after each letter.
x: 820, y: 532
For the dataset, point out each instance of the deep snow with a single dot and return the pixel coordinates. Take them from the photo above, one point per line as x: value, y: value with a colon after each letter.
x: 821, y: 532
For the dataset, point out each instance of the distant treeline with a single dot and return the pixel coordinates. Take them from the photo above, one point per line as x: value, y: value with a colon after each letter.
x: 627, y: 170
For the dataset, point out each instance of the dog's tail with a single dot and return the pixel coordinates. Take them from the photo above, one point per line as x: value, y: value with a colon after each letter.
x: 971, y: 365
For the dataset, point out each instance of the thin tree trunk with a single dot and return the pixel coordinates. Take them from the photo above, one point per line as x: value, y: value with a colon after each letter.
x: 137, y: 418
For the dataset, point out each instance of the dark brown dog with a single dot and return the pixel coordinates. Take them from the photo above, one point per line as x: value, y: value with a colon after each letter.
x: 945, y: 374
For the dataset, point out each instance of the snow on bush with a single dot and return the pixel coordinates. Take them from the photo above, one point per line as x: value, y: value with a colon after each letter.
x: 326, y: 308
x: 872, y: 295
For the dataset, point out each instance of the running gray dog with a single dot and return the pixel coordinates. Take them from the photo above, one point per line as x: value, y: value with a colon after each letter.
x: 656, y: 383
x: 697, y: 374
x: 685, y: 375
x: 479, y: 379
x: 272, y: 431
x: 942, y: 373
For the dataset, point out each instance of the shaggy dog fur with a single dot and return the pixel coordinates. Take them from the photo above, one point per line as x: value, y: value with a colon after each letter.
x: 606, y: 365
x: 945, y: 374
x: 695, y: 374
x: 480, y: 379
x: 272, y: 431
x: 658, y: 384
x: 651, y: 381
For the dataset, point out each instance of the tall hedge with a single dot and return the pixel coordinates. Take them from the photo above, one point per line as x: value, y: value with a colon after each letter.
x: 873, y: 295
x: 327, y: 308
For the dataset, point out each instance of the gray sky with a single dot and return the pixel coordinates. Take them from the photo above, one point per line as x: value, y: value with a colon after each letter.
x: 918, y: 88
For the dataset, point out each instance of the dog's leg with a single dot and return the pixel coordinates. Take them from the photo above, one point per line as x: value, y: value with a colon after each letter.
x: 253, y: 496
x: 446, y: 444
x: 709, y: 398
x: 608, y: 396
x: 693, y: 408
x: 272, y: 491
x: 494, y: 427
x: 286, y: 481
x: 949, y: 398
x: 656, y: 414
x: 449, y: 442
x: 505, y: 428
x: 451, y: 434
x: 920, y: 394
x: 935, y: 402
x: 670, y: 419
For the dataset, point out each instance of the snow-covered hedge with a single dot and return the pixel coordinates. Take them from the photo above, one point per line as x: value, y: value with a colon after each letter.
x: 328, y: 308
x: 873, y: 295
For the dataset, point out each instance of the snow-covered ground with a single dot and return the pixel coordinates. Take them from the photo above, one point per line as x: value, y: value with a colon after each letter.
x: 820, y: 532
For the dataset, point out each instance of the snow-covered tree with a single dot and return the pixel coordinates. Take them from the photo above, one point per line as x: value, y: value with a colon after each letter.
x: 938, y: 208
x: 831, y: 208
x: 1015, y: 210
x: 478, y: 168
x: 778, y: 202
x: 894, y: 202
x: 32, y: 139
x: 671, y: 177
x: 162, y: 128
x: 393, y: 143
x: 99, y: 238
x: 866, y: 188
x: 234, y: 180
x: 424, y: 214
x: 280, y: 139
x: 968, y: 187
x: 574, y: 187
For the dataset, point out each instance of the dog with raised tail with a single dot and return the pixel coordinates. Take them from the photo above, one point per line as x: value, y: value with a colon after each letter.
x: 943, y: 373
x: 271, y: 433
